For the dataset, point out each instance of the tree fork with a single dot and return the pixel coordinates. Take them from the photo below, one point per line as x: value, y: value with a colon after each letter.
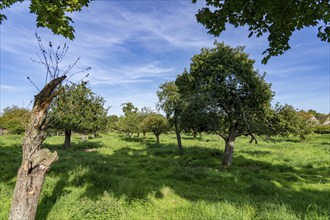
x: 35, y: 161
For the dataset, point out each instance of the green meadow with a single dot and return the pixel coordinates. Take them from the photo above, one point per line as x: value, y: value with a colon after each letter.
x: 116, y: 177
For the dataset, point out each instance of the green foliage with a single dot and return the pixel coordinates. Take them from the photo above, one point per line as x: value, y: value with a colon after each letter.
x: 223, y: 88
x: 129, y: 124
x: 115, y: 177
x: 15, y: 119
x: 51, y: 14
x: 156, y: 124
x: 131, y: 119
x: 6, y: 4
x: 78, y: 109
x: 112, y: 123
x: 129, y: 108
x: 322, y: 129
x: 278, y: 19
x: 169, y: 99
x: 294, y: 122
x: 173, y: 105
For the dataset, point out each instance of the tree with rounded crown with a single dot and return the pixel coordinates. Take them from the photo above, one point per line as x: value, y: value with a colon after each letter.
x: 156, y: 124
x: 224, y: 84
x: 78, y: 109
x: 15, y: 119
x: 129, y: 122
x: 172, y: 104
x: 293, y: 122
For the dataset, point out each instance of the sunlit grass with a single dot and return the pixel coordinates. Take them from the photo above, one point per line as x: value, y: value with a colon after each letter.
x: 117, y: 177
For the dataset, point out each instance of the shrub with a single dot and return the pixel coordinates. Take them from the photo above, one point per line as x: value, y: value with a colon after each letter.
x: 322, y: 129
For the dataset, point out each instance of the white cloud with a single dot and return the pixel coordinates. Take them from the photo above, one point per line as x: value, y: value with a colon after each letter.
x: 7, y: 87
x: 138, y: 44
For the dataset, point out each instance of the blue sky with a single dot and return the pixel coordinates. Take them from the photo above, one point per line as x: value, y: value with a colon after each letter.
x: 134, y: 46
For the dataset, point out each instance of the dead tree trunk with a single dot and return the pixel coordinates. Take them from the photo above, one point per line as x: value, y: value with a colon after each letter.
x: 35, y: 161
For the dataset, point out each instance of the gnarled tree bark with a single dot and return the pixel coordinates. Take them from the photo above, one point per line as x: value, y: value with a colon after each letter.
x: 35, y: 161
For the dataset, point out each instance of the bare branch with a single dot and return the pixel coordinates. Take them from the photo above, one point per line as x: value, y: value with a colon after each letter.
x: 33, y: 83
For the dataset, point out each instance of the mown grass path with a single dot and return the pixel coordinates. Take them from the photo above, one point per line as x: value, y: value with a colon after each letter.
x: 115, y: 177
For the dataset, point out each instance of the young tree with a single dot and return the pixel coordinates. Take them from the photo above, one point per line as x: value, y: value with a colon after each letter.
x: 171, y: 103
x: 51, y: 14
x: 130, y: 121
x: 278, y: 19
x: 15, y: 119
x: 155, y: 123
x: 78, y: 109
x: 231, y: 94
x: 129, y: 108
x: 142, y: 114
x: 294, y: 122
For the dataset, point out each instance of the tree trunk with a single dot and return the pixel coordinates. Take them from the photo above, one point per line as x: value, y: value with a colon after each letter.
x: 67, y: 140
x: 178, y: 138
x: 84, y: 137
x: 253, y: 138
x: 157, y: 138
x: 35, y: 161
x: 96, y: 134
x: 227, y: 159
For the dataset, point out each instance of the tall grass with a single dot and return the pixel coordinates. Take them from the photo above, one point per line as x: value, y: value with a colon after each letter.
x: 116, y: 177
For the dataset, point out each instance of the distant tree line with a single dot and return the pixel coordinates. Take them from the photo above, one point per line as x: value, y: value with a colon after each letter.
x: 14, y: 119
x: 141, y: 121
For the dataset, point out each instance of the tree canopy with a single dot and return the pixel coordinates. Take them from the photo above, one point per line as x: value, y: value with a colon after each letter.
x: 223, y: 87
x: 172, y: 104
x: 130, y: 121
x: 277, y: 18
x: 294, y: 122
x: 156, y: 124
x: 51, y: 14
x: 15, y: 119
x: 78, y: 109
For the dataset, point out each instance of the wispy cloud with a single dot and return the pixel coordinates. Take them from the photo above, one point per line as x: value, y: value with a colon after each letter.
x: 133, y: 46
x: 129, y: 74
x: 7, y: 87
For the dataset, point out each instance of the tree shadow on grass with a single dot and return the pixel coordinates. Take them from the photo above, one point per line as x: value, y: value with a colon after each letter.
x: 135, y: 174
x: 148, y: 139
x: 10, y: 160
